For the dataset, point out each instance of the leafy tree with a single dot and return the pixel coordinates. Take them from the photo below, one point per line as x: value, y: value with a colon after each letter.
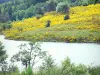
x: 62, y: 7
x: 38, y: 8
x: 50, y: 5
x: 38, y: 16
x: 66, y: 17
x: 48, y: 23
x: 0, y: 10
x: 21, y: 14
x: 4, y: 18
x: 13, y: 70
x: 30, y: 54
x: 13, y: 16
x: 85, y: 2
x: 10, y: 11
x: 48, y: 63
x: 94, y: 70
x: 3, y: 54
x: 8, y: 26
x: 3, y: 57
x: 48, y: 67
x: 2, y: 1
x: 19, y: 9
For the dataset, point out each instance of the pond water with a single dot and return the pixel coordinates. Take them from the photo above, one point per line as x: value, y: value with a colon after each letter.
x: 79, y: 53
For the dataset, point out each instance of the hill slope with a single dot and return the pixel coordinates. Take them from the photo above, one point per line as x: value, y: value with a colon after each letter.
x: 83, y: 26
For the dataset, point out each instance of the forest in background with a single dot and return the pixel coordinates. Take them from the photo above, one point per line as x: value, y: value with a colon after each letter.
x: 19, y: 9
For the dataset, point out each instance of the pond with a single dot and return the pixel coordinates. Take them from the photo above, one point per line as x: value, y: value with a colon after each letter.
x: 79, y: 53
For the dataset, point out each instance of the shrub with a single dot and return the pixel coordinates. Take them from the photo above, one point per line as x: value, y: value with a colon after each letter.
x: 82, y: 2
x: 50, y: 5
x: 0, y: 29
x: 66, y: 17
x: 96, y: 19
x: 62, y: 7
x: 29, y: 71
x: 23, y: 73
x: 9, y: 26
x: 38, y: 8
x: 94, y: 70
x: 85, y: 2
x: 20, y: 29
x: 38, y: 16
x: 48, y: 23
x: 4, y: 27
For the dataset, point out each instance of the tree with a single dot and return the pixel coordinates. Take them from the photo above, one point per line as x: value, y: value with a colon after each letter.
x: 48, y: 67
x: 48, y: 23
x: 13, y: 69
x: 62, y: 7
x: 2, y: 1
x: 83, y: 2
x: 3, y: 54
x: 10, y: 11
x: 50, y: 5
x: 21, y: 14
x: 3, y: 57
x: 8, y: 26
x: 38, y: 8
x: 30, y: 54
x: 4, y: 17
x: 48, y: 63
x: 0, y: 10
x: 68, y: 68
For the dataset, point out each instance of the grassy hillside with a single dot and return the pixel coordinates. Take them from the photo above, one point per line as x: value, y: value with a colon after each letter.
x: 83, y: 26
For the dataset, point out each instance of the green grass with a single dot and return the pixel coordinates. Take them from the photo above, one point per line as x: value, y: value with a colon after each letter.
x: 62, y: 33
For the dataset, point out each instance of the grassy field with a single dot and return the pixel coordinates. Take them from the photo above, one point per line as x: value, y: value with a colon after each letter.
x: 81, y: 27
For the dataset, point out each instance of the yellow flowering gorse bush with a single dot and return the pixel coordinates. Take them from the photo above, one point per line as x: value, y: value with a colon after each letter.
x: 78, y: 15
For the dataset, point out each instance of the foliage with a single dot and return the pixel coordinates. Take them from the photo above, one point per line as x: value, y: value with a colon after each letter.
x: 62, y: 7
x: 29, y: 54
x: 48, y: 23
x: 3, y: 55
x: 78, y: 28
x: 23, y: 73
x: 66, y: 17
x: 94, y: 70
x: 48, y: 63
x: 19, y: 9
x: 29, y: 71
x: 68, y: 68
x: 48, y: 67
x: 50, y: 5
x: 1, y: 1
x: 82, y: 2
x: 38, y: 16
x: 96, y: 19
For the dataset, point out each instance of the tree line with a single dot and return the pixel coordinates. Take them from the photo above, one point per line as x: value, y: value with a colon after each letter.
x: 20, y: 9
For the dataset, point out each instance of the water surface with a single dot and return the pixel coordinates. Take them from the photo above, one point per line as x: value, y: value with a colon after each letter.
x: 79, y: 53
